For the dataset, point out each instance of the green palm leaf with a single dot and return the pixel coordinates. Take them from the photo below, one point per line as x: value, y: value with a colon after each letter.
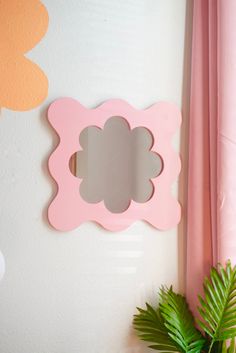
x: 150, y: 327
x: 170, y: 328
x: 219, y: 305
x: 231, y: 348
x: 180, y: 322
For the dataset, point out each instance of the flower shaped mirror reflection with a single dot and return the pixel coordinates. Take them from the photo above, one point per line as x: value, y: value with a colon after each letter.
x: 114, y: 164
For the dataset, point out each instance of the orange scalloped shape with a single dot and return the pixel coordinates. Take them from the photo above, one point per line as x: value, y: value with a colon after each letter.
x: 23, y: 23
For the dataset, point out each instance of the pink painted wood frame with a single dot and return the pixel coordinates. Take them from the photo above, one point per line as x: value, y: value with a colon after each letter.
x: 68, y: 210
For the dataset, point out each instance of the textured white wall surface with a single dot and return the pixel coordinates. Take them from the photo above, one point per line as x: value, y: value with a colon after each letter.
x: 77, y: 292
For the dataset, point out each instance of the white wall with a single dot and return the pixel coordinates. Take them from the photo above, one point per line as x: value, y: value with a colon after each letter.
x: 77, y: 292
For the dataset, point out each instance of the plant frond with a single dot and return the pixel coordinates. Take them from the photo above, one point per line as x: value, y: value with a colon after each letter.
x: 179, y: 321
x: 229, y: 349
x: 150, y: 327
x: 218, y: 307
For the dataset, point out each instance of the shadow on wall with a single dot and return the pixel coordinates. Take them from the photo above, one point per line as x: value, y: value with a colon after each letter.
x: 54, y: 142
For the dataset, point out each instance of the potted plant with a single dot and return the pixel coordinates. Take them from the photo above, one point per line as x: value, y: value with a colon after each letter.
x: 171, y: 326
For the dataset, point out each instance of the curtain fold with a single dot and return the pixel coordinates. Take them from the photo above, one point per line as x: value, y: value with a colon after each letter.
x: 211, y: 228
x: 227, y: 131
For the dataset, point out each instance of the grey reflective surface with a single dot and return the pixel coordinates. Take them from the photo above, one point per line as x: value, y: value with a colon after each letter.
x: 116, y: 164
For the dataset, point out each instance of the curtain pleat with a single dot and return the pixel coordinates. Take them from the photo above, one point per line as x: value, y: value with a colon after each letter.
x: 227, y: 130
x: 201, y: 216
x: 211, y: 227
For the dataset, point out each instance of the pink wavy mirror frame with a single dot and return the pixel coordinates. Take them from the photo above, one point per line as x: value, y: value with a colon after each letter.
x: 68, y: 209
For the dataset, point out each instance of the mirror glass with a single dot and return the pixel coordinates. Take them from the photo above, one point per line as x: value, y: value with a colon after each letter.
x: 116, y: 164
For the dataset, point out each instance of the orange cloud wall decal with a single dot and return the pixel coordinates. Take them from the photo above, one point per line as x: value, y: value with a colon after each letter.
x: 23, y: 23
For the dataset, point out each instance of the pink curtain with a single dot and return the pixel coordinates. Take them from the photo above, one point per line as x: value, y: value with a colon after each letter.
x: 211, y: 229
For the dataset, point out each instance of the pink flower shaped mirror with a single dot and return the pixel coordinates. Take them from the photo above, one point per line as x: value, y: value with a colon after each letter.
x: 114, y: 165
